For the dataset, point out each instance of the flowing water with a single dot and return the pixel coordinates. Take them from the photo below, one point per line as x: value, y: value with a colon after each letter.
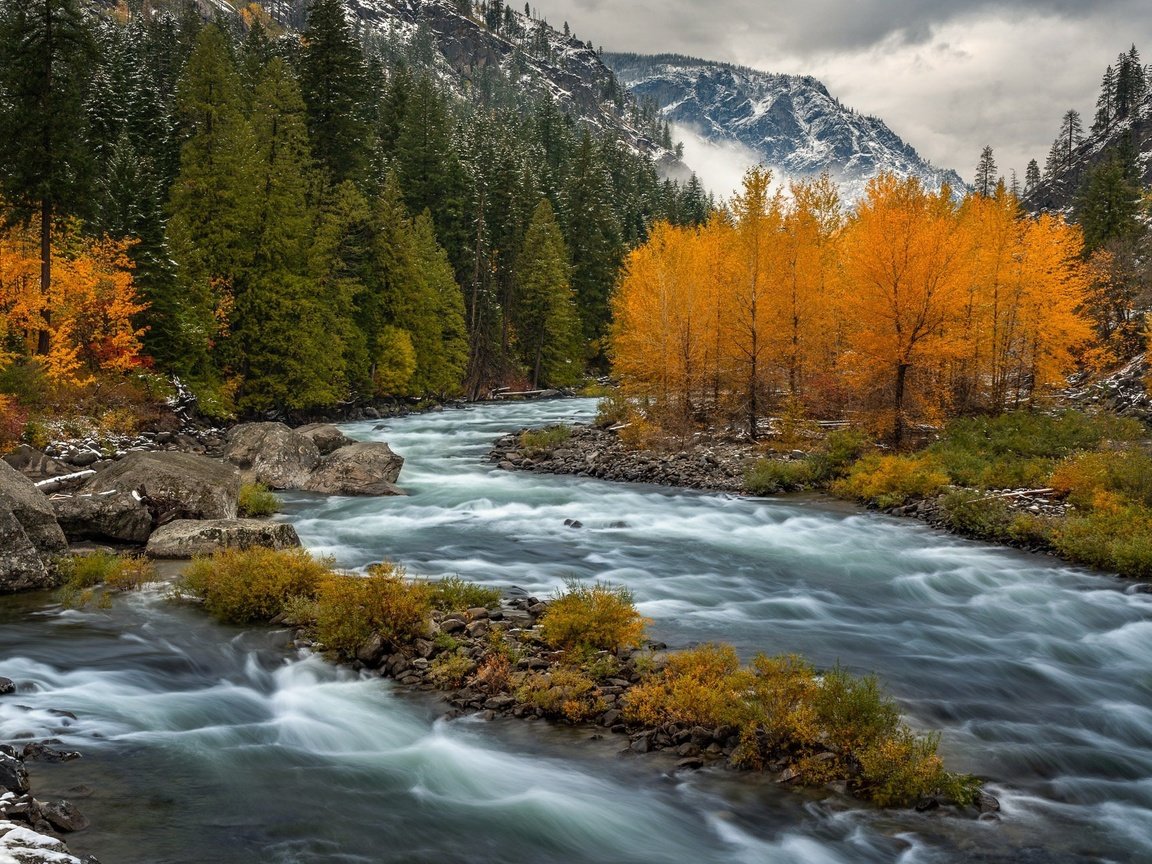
x: 206, y: 743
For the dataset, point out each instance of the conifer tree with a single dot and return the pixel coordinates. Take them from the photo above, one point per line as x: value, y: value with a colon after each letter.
x: 986, y: 174
x: 1106, y: 102
x: 1108, y: 204
x: 332, y: 79
x: 1031, y: 176
x: 1071, y: 134
x: 546, y: 322
x: 48, y: 51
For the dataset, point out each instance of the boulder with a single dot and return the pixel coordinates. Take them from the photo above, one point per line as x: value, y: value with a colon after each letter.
x: 32, y: 537
x: 326, y: 437
x: 13, y: 775
x: 111, y: 515
x: 173, y: 485
x: 272, y: 454
x: 189, y: 538
x: 35, y: 465
x: 366, y: 468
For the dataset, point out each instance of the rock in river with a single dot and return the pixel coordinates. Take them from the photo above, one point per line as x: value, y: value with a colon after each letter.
x: 31, y: 536
x: 111, y: 515
x: 189, y: 538
x: 366, y: 468
x: 272, y: 454
x: 173, y: 485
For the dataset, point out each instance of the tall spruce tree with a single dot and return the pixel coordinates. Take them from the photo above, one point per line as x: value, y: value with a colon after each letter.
x: 332, y: 78
x: 1031, y: 176
x: 545, y: 316
x: 1108, y: 204
x: 45, y: 159
x: 986, y: 174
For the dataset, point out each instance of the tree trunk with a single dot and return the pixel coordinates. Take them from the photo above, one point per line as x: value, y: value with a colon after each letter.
x: 898, y: 422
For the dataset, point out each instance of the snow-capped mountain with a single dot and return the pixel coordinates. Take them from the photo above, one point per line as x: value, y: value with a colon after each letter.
x: 792, y: 123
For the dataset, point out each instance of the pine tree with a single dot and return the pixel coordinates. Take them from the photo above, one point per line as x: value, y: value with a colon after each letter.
x: 986, y: 174
x: 210, y: 204
x: 439, y: 336
x: 546, y: 322
x: 332, y: 79
x: 1106, y: 103
x: 1108, y: 204
x: 45, y: 163
x: 1031, y: 177
x: 1071, y: 134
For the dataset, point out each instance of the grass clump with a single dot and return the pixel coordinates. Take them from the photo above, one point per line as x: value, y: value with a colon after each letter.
x: 564, y: 692
x: 771, y: 476
x: 597, y: 617
x: 449, y: 671
x: 891, y: 480
x: 817, y: 726
x: 537, y: 442
x: 257, y: 501
x: 82, y: 574
x: 351, y: 609
x: 453, y: 594
x: 244, y: 586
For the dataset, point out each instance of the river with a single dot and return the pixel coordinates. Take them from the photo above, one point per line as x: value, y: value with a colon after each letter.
x: 208, y: 743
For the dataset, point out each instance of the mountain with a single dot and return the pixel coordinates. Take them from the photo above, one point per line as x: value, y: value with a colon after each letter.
x: 791, y: 122
x: 494, y: 54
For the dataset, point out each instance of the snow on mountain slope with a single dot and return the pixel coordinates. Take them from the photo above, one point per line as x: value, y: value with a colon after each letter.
x: 791, y: 122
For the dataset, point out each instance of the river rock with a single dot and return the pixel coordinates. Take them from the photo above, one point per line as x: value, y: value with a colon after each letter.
x: 35, y: 465
x: 174, y: 485
x: 327, y: 438
x: 187, y: 538
x: 111, y: 515
x: 13, y: 774
x: 272, y: 454
x: 23, y: 845
x: 365, y: 468
x: 32, y: 539
x: 63, y: 816
x: 7, y: 685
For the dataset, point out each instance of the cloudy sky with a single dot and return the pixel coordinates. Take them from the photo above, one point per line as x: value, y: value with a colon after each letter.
x: 949, y: 76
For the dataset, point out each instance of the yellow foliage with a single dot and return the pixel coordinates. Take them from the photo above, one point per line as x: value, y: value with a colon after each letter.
x: 598, y: 617
x: 562, y: 692
x: 350, y: 609
x: 242, y: 586
x: 888, y: 481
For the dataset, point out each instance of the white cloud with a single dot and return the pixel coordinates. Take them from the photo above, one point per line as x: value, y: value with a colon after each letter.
x: 720, y: 166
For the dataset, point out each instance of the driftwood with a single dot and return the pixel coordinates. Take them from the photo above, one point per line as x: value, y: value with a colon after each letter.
x: 1023, y: 493
x: 523, y: 394
x: 53, y: 483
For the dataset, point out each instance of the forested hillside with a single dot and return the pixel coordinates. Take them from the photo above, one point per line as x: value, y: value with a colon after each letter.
x: 291, y: 220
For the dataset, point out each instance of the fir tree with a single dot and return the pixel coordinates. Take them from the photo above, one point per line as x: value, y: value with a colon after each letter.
x: 1108, y: 204
x: 986, y: 174
x: 1071, y: 134
x: 45, y: 163
x: 546, y: 321
x: 1106, y: 103
x: 333, y: 83
x: 1031, y: 177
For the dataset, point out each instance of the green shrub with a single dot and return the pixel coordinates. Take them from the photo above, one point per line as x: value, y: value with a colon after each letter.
x: 598, y: 617
x: 453, y: 594
x: 562, y: 692
x: 1116, y: 537
x: 350, y: 609
x: 257, y: 501
x: 537, y: 442
x: 242, y: 586
x: 449, y: 671
x: 841, y: 449
x: 888, y: 481
x: 975, y: 514
x: 770, y: 476
x: 82, y: 573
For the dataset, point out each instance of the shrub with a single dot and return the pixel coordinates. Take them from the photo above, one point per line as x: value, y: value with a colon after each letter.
x: 1127, y: 472
x: 537, y: 442
x: 449, y: 671
x: 700, y: 687
x: 453, y: 594
x: 1116, y: 537
x: 769, y: 476
x: 257, y: 501
x: 614, y: 409
x: 494, y: 674
x: 242, y: 586
x: 82, y: 573
x: 350, y: 609
x: 599, y: 617
x: 975, y: 514
x: 888, y: 481
x: 562, y: 692
x: 13, y: 420
x: 841, y: 449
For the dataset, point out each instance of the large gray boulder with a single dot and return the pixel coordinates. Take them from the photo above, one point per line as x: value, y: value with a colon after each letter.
x: 188, y: 539
x: 173, y: 485
x: 327, y: 438
x: 30, y: 538
x: 35, y: 465
x: 111, y: 515
x: 366, y: 468
x: 272, y: 454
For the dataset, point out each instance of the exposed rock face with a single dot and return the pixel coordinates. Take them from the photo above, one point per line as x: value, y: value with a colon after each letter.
x: 31, y: 536
x: 189, y: 538
x: 35, y: 465
x: 111, y: 515
x: 327, y: 438
x: 173, y: 485
x: 272, y: 454
x: 366, y: 468
x: 791, y: 122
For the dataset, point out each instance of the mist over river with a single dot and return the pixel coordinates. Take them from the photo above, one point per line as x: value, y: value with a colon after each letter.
x: 206, y: 743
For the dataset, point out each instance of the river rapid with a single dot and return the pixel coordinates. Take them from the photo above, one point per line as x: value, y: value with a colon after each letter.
x: 208, y: 743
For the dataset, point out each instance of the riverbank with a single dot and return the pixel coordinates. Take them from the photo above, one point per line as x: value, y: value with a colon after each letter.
x: 1081, y: 487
